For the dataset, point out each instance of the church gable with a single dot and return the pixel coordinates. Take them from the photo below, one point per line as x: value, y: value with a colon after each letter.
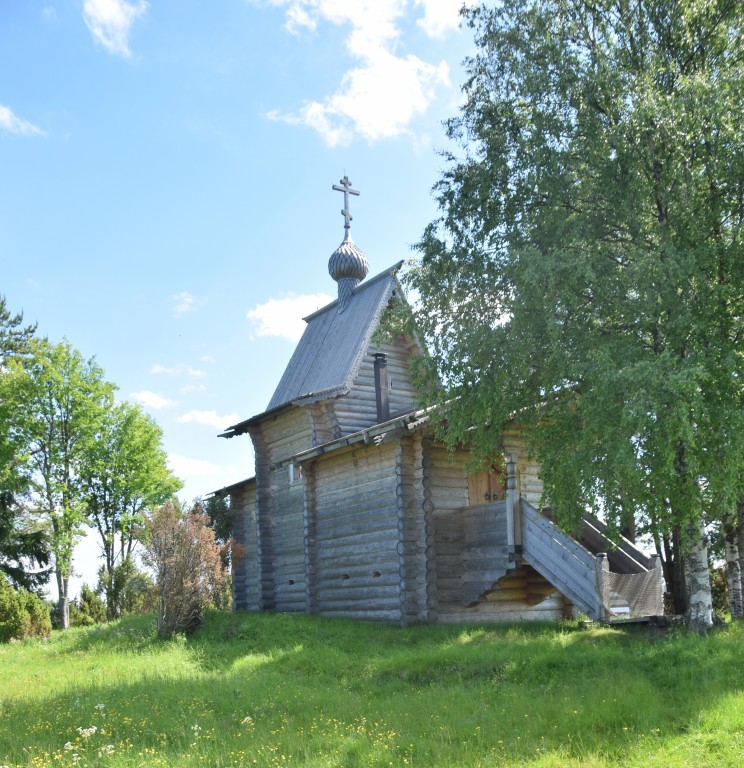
x: 359, y: 408
x: 333, y: 346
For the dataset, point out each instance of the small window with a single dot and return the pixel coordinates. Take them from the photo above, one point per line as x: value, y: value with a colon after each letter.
x: 295, y: 474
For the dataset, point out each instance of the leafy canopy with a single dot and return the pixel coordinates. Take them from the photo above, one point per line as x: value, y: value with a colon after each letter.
x: 586, y: 275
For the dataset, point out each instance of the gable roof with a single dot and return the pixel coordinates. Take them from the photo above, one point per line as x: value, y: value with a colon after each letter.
x: 330, y: 352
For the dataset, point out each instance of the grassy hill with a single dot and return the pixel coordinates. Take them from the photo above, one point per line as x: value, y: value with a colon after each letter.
x: 277, y: 690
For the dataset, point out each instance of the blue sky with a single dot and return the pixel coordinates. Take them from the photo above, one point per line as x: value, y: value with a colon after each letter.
x: 166, y: 200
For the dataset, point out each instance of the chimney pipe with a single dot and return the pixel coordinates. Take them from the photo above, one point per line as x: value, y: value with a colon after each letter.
x: 381, y: 387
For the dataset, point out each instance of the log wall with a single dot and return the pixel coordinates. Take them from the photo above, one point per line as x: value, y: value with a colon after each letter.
x: 448, y: 495
x: 324, y: 422
x: 382, y: 532
x: 475, y: 580
x: 246, y: 576
x: 552, y: 608
x: 280, y: 507
x: 415, y: 531
x: 519, y: 595
x: 358, y: 409
x: 353, y: 535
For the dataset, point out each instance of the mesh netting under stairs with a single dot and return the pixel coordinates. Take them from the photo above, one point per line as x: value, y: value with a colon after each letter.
x: 634, y: 594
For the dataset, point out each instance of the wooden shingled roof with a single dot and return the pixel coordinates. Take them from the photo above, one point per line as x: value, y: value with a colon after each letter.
x: 330, y: 352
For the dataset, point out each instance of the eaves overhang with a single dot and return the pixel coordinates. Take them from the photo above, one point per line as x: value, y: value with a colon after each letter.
x: 220, y: 492
x: 376, y: 435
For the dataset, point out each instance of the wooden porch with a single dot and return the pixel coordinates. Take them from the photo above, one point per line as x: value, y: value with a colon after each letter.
x: 508, y: 557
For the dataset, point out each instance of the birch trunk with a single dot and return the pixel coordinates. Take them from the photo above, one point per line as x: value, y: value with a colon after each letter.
x: 733, y: 566
x: 697, y: 577
x: 63, y: 601
x: 740, y: 547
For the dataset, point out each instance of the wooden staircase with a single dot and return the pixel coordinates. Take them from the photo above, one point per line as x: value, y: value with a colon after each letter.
x: 480, y: 548
x: 583, y: 569
x: 561, y: 560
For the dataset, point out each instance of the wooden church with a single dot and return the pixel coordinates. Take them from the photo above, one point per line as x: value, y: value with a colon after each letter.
x: 356, y: 510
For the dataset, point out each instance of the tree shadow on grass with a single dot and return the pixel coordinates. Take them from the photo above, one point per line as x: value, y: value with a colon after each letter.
x: 305, y: 687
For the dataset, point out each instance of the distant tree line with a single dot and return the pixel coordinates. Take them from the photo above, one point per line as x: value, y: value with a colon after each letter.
x: 72, y: 459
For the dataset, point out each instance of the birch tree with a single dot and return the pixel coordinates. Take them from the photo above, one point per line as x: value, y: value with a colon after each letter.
x: 586, y: 274
x: 64, y: 398
x: 125, y: 473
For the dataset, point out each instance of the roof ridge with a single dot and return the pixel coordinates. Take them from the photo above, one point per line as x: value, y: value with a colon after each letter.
x: 389, y: 272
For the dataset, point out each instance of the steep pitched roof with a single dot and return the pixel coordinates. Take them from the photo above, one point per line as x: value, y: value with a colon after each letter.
x: 327, y: 358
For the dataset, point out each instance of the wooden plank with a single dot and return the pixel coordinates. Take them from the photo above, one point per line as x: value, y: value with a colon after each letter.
x: 561, y: 563
x: 338, y: 566
x: 499, y: 595
x: 534, y: 524
x: 482, y: 576
x: 577, y: 594
x: 387, y: 616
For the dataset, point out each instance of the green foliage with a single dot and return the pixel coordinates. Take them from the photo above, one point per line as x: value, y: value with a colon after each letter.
x: 22, y: 613
x: 719, y: 590
x: 14, y: 336
x: 221, y: 516
x: 69, y: 455
x: 24, y: 549
x: 586, y: 276
x: 128, y: 588
x: 305, y: 691
x: 61, y: 399
x: 125, y: 474
x: 89, y: 609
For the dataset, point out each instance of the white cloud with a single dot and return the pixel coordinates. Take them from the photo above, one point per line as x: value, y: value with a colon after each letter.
x: 182, y: 466
x: 283, y: 317
x: 13, y: 124
x: 176, y: 370
x: 440, y: 16
x: 379, y: 98
x: 209, y: 419
x: 193, y: 388
x: 185, y: 302
x: 110, y: 21
x: 152, y: 399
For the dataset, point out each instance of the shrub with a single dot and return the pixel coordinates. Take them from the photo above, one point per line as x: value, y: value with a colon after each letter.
x: 22, y: 613
x: 88, y: 609
x: 185, y: 557
x: 127, y: 589
x: 719, y: 590
x: 140, y: 595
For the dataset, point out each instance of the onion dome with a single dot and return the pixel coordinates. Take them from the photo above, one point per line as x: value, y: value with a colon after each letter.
x: 348, y: 266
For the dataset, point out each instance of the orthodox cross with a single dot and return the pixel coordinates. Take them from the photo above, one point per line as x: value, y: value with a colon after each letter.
x: 345, y: 187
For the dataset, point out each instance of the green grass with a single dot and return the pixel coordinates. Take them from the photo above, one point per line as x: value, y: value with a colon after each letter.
x: 276, y: 690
